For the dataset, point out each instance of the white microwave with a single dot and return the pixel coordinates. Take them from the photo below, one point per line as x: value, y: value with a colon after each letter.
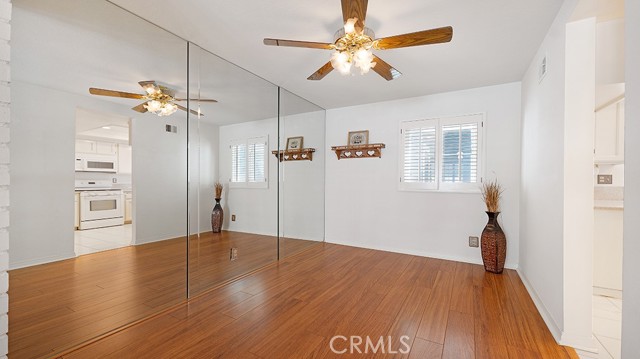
x: 96, y: 163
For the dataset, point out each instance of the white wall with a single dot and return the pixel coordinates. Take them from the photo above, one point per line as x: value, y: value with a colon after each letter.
x: 5, y: 99
x: 302, y: 182
x: 256, y: 209
x: 579, y: 128
x: 364, y: 207
x: 631, y: 264
x: 159, y: 177
x: 542, y: 196
x: 203, y: 172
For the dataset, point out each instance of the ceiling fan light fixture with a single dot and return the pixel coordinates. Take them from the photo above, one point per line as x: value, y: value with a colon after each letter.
x: 349, y: 26
x: 153, y: 106
x: 167, y: 109
x: 364, y: 60
x: 340, y: 61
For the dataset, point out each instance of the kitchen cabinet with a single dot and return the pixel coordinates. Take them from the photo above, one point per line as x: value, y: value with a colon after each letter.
x: 128, y: 207
x: 85, y: 146
x: 97, y: 147
x: 609, y: 134
x: 77, y: 206
x: 105, y: 148
x: 124, y: 159
x: 607, y: 254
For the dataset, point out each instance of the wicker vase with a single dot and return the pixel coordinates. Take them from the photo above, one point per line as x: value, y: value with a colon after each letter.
x: 216, y: 217
x: 494, y: 245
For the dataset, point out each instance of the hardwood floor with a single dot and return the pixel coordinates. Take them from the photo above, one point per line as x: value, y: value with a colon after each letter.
x: 56, y: 306
x: 293, y: 309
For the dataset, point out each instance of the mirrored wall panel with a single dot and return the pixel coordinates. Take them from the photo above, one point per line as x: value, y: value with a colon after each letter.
x: 98, y: 174
x: 233, y: 128
x: 302, y: 165
x: 145, y: 170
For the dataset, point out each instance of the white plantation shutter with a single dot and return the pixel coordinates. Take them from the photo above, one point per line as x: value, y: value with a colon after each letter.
x: 419, y: 156
x: 460, y: 153
x: 238, y: 162
x: 256, y: 160
x: 249, y: 162
x: 441, y: 154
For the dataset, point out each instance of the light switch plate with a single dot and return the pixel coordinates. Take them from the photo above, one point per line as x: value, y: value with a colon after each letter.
x: 605, y: 179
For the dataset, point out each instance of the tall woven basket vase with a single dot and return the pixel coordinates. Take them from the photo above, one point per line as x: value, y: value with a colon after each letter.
x: 216, y: 217
x: 494, y: 245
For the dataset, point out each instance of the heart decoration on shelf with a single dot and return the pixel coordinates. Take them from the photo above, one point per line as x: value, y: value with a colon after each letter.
x: 371, y: 153
x: 304, y: 155
x: 358, y: 153
x: 348, y: 154
x: 286, y: 157
x: 295, y: 157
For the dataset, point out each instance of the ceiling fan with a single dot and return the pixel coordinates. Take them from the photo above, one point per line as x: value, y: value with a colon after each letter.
x: 354, y: 42
x: 159, y: 99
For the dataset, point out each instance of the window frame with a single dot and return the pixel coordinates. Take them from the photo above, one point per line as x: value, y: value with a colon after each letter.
x: 247, y: 142
x: 439, y: 185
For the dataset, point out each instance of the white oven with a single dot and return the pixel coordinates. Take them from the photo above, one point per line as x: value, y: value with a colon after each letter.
x: 101, y: 208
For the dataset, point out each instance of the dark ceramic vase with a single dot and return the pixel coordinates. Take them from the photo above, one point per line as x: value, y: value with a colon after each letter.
x: 494, y: 245
x: 216, y: 217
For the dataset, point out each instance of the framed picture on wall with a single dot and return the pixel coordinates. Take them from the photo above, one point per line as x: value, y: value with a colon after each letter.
x: 294, y: 143
x: 358, y: 138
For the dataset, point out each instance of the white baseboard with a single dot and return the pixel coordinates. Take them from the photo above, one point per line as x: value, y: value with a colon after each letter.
x: 417, y: 253
x: 546, y: 316
x: 43, y: 260
x: 586, y: 344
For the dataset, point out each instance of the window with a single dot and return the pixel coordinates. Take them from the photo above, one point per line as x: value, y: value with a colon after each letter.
x: 249, y: 162
x: 441, y: 154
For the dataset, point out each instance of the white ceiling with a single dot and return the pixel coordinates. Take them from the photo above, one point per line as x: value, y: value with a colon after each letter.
x: 494, y: 41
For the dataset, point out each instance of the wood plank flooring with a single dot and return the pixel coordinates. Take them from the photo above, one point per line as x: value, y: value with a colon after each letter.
x: 292, y: 309
x: 59, y: 305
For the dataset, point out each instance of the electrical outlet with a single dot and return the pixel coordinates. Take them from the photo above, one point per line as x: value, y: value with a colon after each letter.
x: 233, y: 255
x: 605, y: 179
x: 473, y: 241
x: 233, y: 218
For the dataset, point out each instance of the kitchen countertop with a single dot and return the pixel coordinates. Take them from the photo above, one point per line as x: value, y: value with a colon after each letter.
x: 608, y: 204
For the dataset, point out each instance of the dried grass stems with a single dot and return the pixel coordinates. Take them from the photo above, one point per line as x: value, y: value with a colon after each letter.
x: 218, y: 187
x: 491, y: 193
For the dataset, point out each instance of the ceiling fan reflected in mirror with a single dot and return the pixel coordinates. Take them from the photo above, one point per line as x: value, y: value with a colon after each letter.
x: 160, y: 100
x: 354, y: 43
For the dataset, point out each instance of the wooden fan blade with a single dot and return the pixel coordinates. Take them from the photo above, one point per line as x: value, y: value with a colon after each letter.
x: 140, y: 108
x: 426, y: 37
x: 322, y: 72
x: 192, y: 111
x: 103, y: 92
x: 196, y: 99
x: 384, y: 69
x: 294, y: 43
x: 357, y: 9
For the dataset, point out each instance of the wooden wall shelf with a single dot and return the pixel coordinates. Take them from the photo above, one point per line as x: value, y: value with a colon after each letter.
x: 359, y: 151
x: 303, y: 154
